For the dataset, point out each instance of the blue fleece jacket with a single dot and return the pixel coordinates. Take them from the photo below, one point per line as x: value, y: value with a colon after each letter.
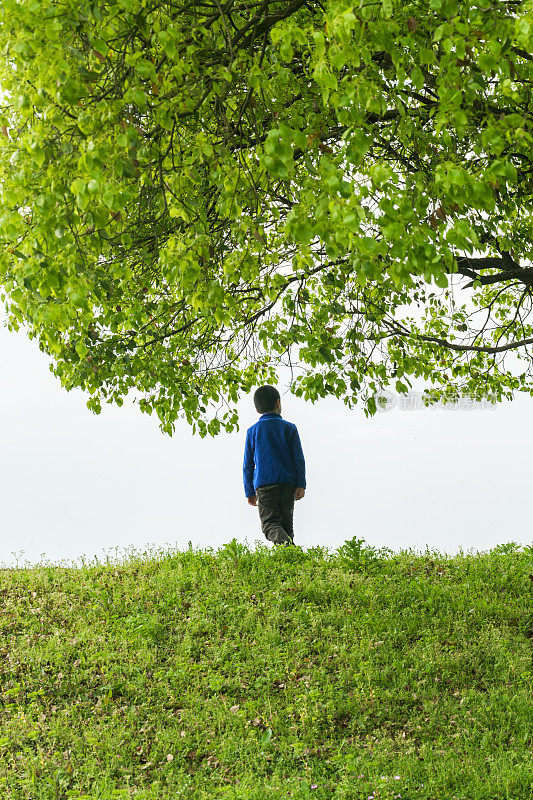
x: 272, y: 454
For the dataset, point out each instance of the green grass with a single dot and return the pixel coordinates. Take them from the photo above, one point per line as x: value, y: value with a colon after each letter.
x: 256, y: 673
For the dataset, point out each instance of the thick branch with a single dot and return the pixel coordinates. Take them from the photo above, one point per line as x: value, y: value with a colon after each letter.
x: 509, y: 270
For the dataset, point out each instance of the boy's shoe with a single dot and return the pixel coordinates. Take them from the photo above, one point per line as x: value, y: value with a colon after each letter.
x: 287, y: 543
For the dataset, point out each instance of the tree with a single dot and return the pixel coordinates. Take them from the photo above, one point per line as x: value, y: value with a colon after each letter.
x: 196, y: 192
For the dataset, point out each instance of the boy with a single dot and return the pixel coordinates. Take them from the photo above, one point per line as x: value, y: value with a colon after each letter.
x: 274, y: 467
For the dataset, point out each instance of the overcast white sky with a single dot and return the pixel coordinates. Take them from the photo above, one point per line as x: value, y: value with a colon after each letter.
x: 74, y: 484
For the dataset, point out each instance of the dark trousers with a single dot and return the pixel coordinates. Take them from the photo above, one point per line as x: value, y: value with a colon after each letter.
x: 276, y: 506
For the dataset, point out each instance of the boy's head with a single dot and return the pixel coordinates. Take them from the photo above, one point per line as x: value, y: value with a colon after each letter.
x: 267, y: 399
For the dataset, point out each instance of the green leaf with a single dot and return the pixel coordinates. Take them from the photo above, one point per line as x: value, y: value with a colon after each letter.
x: 267, y: 736
x: 81, y: 349
x: 417, y: 78
x: 441, y: 280
x: 109, y: 199
x: 387, y: 8
x: 82, y: 200
x: 136, y: 96
x: 146, y: 69
x: 39, y: 156
x: 303, y: 232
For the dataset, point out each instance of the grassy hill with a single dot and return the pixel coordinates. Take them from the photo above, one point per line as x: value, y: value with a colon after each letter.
x: 251, y: 674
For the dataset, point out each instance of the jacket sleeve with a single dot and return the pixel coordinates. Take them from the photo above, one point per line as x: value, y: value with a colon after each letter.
x: 248, y: 466
x: 298, y: 458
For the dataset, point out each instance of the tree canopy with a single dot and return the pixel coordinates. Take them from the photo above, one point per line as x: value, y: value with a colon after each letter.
x: 193, y: 193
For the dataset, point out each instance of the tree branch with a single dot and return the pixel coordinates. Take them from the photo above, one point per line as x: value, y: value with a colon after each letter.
x: 463, y: 348
x: 509, y: 269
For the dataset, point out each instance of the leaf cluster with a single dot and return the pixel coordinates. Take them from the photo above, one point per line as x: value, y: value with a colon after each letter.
x: 195, y: 194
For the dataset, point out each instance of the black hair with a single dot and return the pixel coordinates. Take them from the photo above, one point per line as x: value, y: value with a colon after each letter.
x: 265, y: 399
